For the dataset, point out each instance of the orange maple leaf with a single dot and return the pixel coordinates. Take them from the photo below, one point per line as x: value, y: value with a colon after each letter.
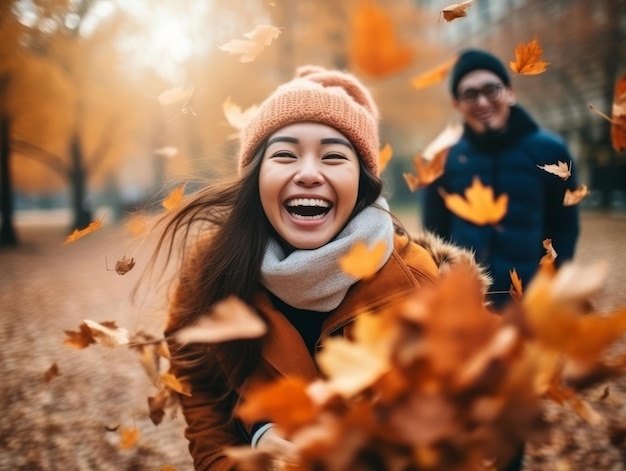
x: 573, y: 197
x: 129, y: 437
x: 479, y: 206
x: 77, y: 234
x: 427, y: 170
x: 527, y: 59
x: 175, y: 384
x: 434, y: 75
x: 374, y: 46
x: 257, y: 40
x: 137, y: 224
x: 361, y: 262
x: 384, y: 157
x: 174, y: 198
x: 80, y: 339
x: 458, y: 10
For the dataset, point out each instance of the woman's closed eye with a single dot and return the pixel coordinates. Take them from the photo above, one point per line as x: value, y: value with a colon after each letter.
x: 283, y: 154
x: 334, y: 156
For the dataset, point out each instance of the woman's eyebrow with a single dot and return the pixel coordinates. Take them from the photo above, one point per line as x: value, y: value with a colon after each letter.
x: 289, y: 139
x: 337, y: 140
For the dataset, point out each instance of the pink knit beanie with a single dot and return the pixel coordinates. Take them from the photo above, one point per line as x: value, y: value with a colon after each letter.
x: 318, y: 95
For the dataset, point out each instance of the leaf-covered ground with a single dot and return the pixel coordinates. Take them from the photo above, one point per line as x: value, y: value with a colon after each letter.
x: 47, y: 287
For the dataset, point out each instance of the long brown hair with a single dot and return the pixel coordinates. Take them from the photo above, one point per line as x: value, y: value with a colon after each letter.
x: 224, y: 233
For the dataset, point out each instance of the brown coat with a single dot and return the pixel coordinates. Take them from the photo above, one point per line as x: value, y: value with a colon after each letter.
x: 208, y: 412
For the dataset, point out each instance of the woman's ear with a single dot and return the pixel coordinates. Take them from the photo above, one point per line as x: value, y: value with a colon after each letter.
x: 511, y: 98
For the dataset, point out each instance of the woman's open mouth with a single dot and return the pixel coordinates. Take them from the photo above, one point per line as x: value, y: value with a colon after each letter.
x: 308, y: 209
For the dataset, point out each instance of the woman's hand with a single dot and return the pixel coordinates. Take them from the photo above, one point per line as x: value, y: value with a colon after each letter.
x: 281, y: 450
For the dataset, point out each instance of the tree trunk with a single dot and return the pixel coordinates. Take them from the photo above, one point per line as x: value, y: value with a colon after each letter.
x: 8, y: 236
x: 82, y: 213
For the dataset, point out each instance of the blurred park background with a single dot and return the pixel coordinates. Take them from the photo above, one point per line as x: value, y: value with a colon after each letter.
x: 86, y: 125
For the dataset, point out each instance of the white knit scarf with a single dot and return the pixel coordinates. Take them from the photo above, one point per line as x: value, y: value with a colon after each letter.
x: 313, y: 279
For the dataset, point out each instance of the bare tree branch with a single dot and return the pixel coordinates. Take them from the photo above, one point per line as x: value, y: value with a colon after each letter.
x: 32, y: 151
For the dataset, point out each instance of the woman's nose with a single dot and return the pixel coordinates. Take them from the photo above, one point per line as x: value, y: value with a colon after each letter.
x: 309, y: 172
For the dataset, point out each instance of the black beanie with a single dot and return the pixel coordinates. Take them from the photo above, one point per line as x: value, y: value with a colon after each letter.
x: 475, y: 59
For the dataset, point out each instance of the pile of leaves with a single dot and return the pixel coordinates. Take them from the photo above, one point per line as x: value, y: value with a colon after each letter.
x: 440, y: 382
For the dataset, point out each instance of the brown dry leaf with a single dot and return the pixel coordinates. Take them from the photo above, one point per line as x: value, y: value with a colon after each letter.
x: 458, y: 10
x: 527, y: 59
x: 80, y: 339
x: 148, y: 347
x: 374, y: 46
x: 618, y: 129
x: 550, y: 256
x: 444, y: 140
x: 434, y: 75
x: 51, y: 373
x: 384, y: 157
x: 174, y: 198
x: 479, y: 206
x: 124, y: 265
x: 108, y: 333
x: 175, y: 384
x: 285, y: 401
x: 362, y: 262
x: 235, y: 116
x: 574, y: 197
x: 560, y: 169
x: 77, y: 234
x: 157, y: 405
x: 350, y: 367
x: 177, y: 94
x: 412, y: 181
x: 230, y: 319
x: 257, y: 40
x: 129, y: 437
x: 516, y: 290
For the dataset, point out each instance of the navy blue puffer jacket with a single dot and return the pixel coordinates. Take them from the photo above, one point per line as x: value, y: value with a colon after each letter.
x: 509, y: 163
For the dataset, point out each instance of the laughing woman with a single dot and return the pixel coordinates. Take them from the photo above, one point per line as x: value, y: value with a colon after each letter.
x: 307, y: 189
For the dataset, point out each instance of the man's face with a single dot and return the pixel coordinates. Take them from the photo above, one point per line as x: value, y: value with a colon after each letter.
x: 484, y: 101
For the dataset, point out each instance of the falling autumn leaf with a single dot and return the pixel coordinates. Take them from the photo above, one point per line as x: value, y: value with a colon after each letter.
x: 80, y: 339
x: 167, y: 468
x: 108, y: 333
x: 550, y: 255
x: 574, y: 197
x: 516, y: 290
x: 458, y: 10
x: 479, y: 206
x: 384, y: 157
x: 137, y: 224
x: 374, y: 46
x: 427, y: 170
x: 230, y: 319
x: 618, y: 119
x: 174, y: 198
x: 434, y: 75
x: 560, y: 169
x: 124, y: 265
x: 527, y: 59
x: 168, y: 152
x: 249, y: 49
x: 129, y: 437
x: 235, y: 116
x: 362, y: 262
x: 77, y: 234
x: 177, y: 94
x: 175, y: 384
x: 51, y: 373
x: 449, y: 136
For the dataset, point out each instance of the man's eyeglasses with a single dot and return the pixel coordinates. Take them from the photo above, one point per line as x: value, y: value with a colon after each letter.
x: 490, y: 91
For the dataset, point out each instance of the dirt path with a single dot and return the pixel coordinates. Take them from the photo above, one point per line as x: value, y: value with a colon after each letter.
x: 46, y: 288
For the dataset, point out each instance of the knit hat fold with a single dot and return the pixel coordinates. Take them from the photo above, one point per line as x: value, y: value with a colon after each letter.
x: 318, y: 95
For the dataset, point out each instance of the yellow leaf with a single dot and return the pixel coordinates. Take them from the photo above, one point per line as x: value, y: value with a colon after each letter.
x: 172, y: 382
x: 374, y: 46
x: 249, y: 49
x: 560, y: 169
x: 129, y: 437
x: 479, y: 206
x: 77, y: 234
x: 527, y: 59
x: 384, y: 157
x: 458, y: 10
x: 174, y: 198
x: 434, y: 75
x: 574, y: 197
x: 235, y: 116
x: 361, y: 262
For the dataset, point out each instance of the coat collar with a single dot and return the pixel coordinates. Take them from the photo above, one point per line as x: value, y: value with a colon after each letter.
x: 284, y: 349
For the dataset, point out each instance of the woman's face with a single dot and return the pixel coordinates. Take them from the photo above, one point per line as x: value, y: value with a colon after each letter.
x: 308, y: 182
